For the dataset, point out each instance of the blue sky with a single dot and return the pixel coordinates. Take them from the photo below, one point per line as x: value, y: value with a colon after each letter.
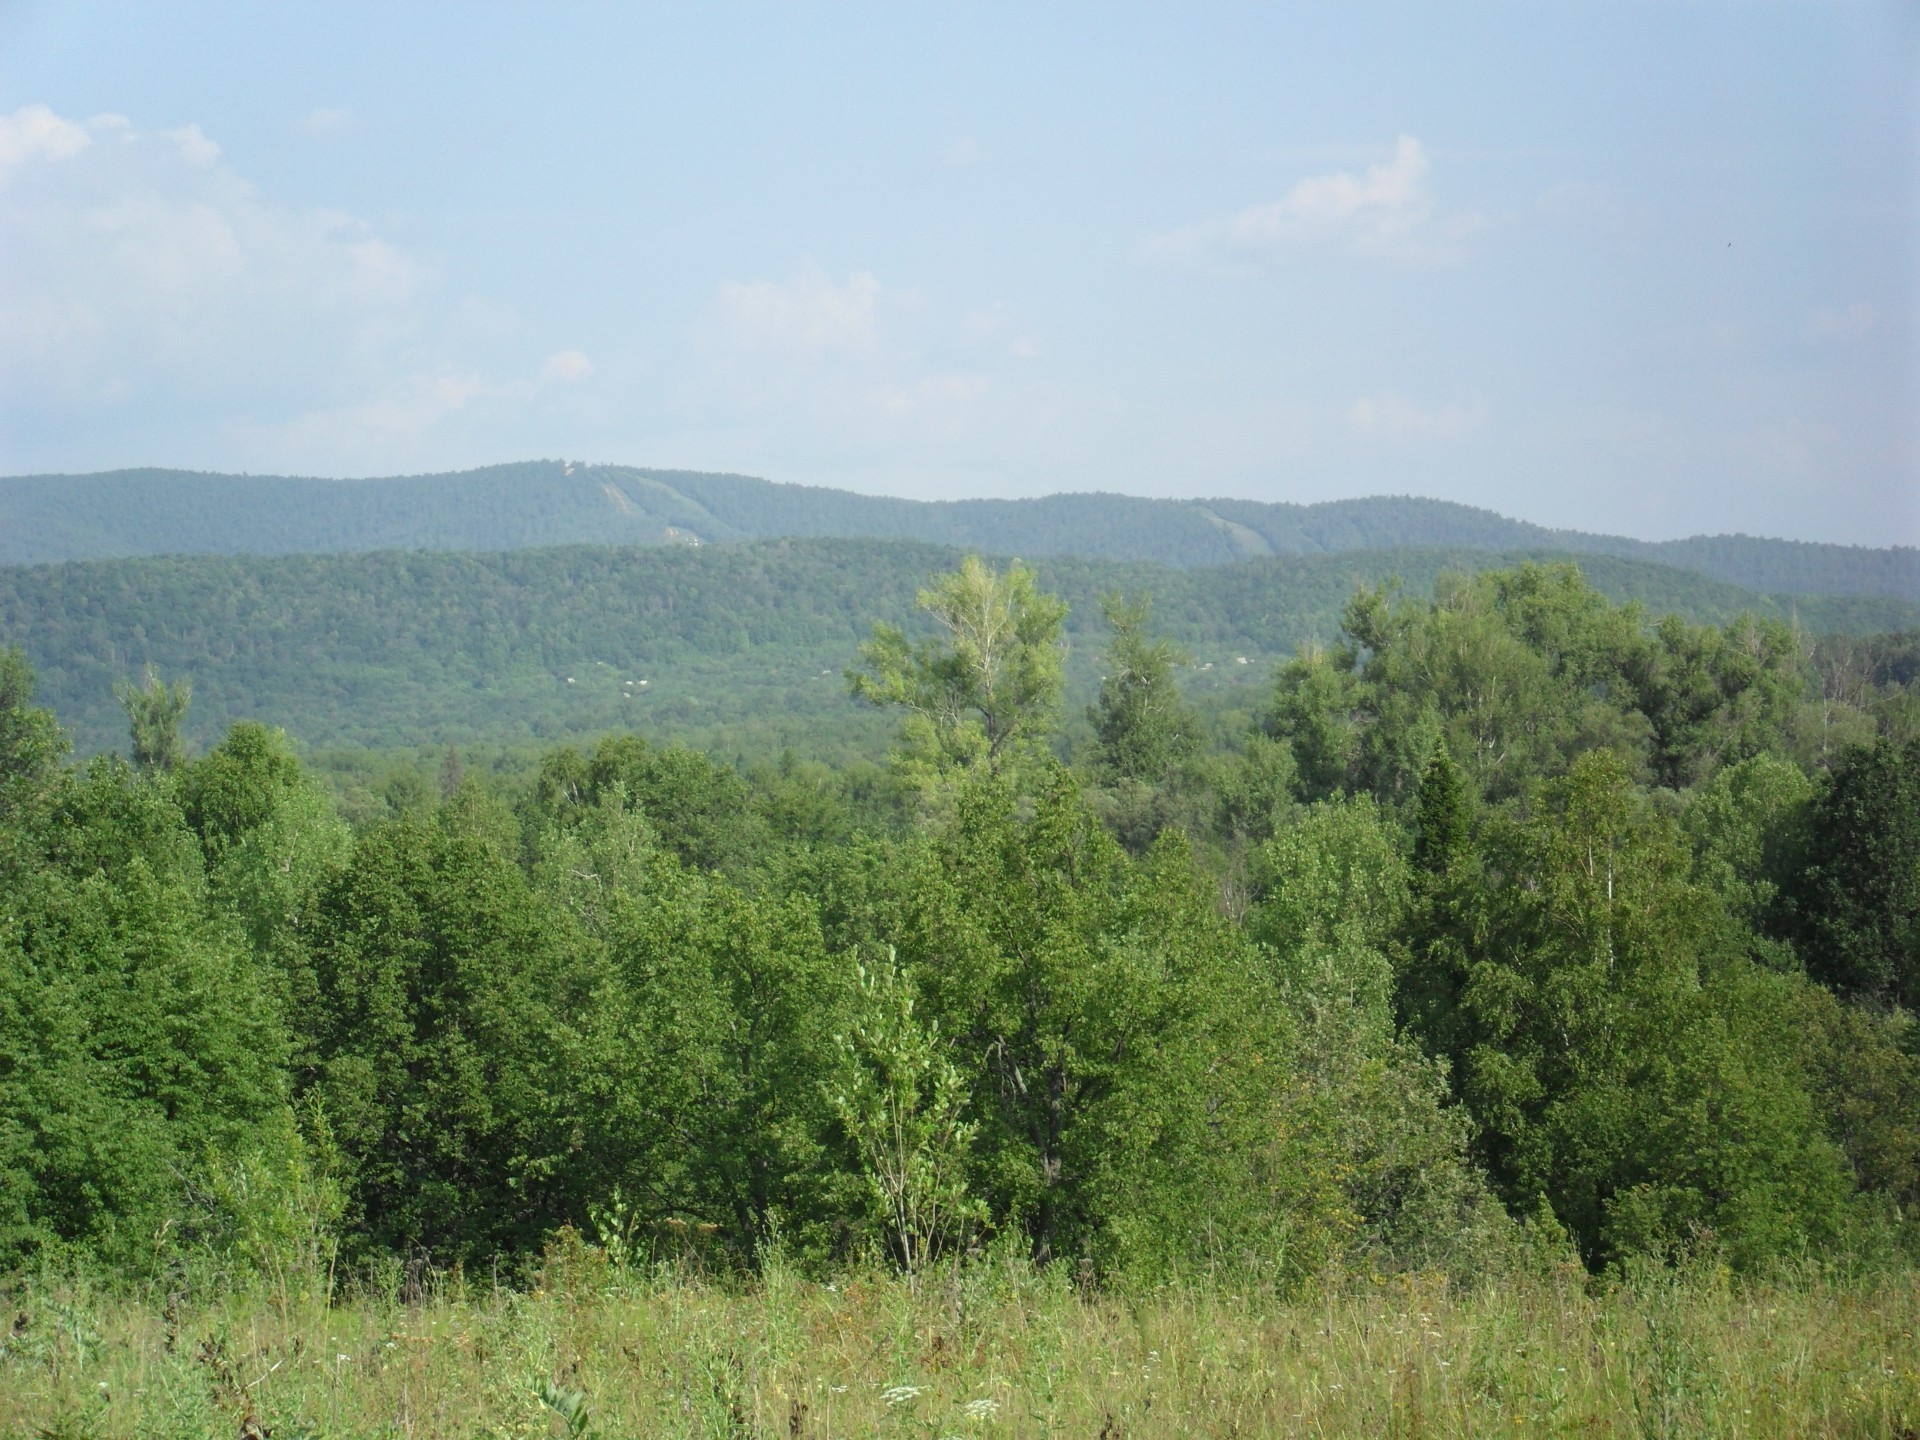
x: 1649, y: 269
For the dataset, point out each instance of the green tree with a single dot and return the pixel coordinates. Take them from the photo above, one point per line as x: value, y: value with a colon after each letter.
x: 1715, y: 695
x: 701, y: 1055
x: 1624, y: 1060
x: 902, y: 1103
x: 1444, y: 901
x: 238, y: 784
x: 981, y: 694
x: 154, y: 712
x: 1748, y: 828
x: 1338, y: 896
x: 32, y: 747
x: 438, y: 986
x: 1100, y: 1011
x: 697, y: 807
x: 1142, y: 727
x: 1855, y: 906
x: 135, y: 1033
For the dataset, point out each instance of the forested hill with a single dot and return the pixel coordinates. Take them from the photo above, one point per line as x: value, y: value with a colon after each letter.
x: 47, y: 518
x: 736, y: 643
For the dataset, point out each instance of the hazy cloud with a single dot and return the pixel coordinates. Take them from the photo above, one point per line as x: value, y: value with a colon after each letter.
x: 1850, y: 323
x: 811, y: 312
x: 1385, y: 212
x: 963, y: 154
x: 568, y: 367
x: 866, y: 370
x: 1396, y: 417
x: 326, y: 122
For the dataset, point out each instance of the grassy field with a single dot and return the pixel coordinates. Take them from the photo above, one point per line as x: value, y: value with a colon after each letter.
x: 997, y: 1351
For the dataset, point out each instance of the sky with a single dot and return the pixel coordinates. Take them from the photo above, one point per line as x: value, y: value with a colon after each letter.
x: 1649, y: 269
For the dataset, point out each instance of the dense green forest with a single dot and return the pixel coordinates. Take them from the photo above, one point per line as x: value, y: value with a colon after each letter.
x: 1514, y: 924
x: 738, y: 649
x: 539, y: 503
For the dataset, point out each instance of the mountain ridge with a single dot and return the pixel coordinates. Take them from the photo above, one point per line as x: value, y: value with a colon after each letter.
x: 127, y: 513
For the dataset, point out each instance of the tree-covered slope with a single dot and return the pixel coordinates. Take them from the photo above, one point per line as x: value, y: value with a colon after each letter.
x: 391, y: 647
x: 46, y: 518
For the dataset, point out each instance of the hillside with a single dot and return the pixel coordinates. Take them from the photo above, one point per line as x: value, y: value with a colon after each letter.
x: 50, y: 518
x: 386, y: 647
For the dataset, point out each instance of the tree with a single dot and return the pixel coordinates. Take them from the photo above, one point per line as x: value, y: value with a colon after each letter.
x: 1142, y: 727
x: 902, y: 1104
x: 135, y: 1033
x: 700, y: 1058
x: 1624, y: 1060
x: 1444, y: 895
x: 32, y: 747
x: 699, y: 808
x: 1099, y: 1009
x: 1337, y: 897
x: 439, y: 981
x: 1855, y: 906
x: 154, y: 711
x: 981, y: 694
x: 238, y: 784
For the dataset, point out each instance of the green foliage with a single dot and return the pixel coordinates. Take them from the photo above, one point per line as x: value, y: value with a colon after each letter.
x: 902, y: 1103
x: 1746, y: 826
x: 436, y: 986
x: 32, y: 747
x: 134, y: 1032
x: 1516, y: 905
x: 699, y: 1056
x: 391, y: 649
x: 1337, y: 891
x: 154, y: 712
x: 1519, y: 671
x: 1856, y: 904
x: 702, y: 809
x: 1100, y: 1010
x: 1621, y: 1058
x: 1142, y: 727
x: 979, y: 695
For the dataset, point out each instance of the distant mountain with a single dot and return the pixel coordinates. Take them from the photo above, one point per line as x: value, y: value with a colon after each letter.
x: 736, y: 644
x: 511, y: 507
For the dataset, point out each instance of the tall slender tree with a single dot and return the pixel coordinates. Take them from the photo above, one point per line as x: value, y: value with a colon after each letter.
x: 154, y: 712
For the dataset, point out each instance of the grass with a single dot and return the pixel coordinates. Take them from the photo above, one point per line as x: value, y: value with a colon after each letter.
x: 996, y: 1351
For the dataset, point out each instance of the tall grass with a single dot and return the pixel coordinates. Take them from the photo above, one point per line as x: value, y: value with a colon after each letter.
x: 997, y: 1350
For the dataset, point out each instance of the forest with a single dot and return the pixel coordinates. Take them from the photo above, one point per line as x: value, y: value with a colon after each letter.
x: 1530, y: 977
x: 50, y: 518
x: 740, y: 646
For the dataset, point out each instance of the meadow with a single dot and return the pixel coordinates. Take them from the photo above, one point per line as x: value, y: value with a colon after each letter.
x: 993, y: 1349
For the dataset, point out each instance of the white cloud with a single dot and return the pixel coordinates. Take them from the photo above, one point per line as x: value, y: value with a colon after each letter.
x: 149, y: 290
x: 145, y: 264
x: 328, y: 121
x: 35, y: 133
x: 1395, y: 417
x: 197, y: 148
x: 1851, y: 323
x: 1385, y: 212
x: 568, y: 367
x: 808, y: 313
